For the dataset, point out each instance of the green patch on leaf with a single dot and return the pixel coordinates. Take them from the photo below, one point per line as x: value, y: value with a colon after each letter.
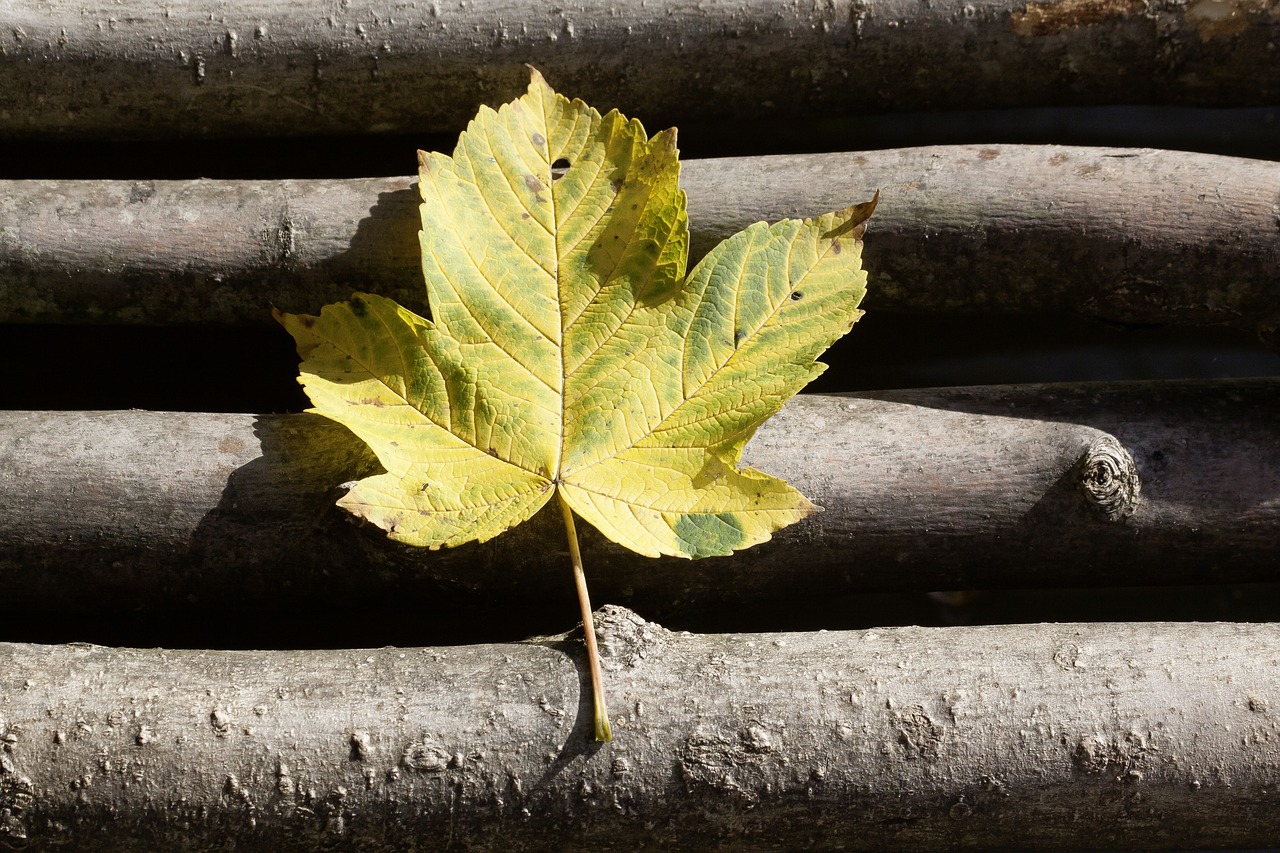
x: 710, y: 534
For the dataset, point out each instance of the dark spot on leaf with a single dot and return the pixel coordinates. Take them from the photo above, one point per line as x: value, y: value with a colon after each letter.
x: 835, y: 247
x: 524, y: 216
x: 307, y: 320
x: 534, y: 186
x: 796, y: 296
x: 988, y: 154
x: 634, y: 206
x: 539, y: 139
x: 394, y: 443
x: 492, y: 452
x: 358, y: 307
x: 738, y: 336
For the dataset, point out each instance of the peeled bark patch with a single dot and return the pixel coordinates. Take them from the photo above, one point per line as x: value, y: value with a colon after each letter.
x: 1052, y: 18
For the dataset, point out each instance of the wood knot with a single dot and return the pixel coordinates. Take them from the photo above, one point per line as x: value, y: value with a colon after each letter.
x: 1109, y: 479
x: 625, y: 637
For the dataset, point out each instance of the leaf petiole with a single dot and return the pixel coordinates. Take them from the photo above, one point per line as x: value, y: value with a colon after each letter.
x: 603, y: 732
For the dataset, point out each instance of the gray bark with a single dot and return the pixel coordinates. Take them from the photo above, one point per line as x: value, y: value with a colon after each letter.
x: 1046, y: 737
x: 1122, y: 235
x: 132, y: 69
x: 965, y: 488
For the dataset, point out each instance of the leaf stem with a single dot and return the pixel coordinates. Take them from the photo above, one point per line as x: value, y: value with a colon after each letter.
x: 603, y: 731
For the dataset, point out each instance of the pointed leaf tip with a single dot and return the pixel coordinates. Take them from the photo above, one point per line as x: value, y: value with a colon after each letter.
x: 850, y: 220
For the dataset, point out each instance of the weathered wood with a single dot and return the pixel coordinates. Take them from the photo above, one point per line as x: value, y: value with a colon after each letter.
x: 1123, y: 235
x: 1035, y: 737
x: 1030, y: 486
x: 130, y: 68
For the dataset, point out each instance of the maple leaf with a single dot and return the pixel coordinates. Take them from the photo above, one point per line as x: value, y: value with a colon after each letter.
x: 569, y: 355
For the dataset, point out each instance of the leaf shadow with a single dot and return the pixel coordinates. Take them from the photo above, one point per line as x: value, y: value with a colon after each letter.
x: 581, y: 741
x: 255, y: 540
x: 383, y: 255
x: 276, y: 549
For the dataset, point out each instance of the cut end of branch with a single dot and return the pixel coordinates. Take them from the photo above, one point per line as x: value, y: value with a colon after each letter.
x: 1109, y: 479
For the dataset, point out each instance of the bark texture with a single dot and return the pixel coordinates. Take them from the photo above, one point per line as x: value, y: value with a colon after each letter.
x: 1128, y: 236
x: 131, y: 68
x: 1048, y: 737
x: 939, y: 489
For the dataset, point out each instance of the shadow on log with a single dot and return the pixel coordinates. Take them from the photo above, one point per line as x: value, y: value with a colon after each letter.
x: 134, y: 69
x: 1126, y: 236
x: 1045, y: 737
x: 962, y: 488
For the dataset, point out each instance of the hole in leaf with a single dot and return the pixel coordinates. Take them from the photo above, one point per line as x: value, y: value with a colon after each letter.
x: 796, y: 296
x: 558, y: 168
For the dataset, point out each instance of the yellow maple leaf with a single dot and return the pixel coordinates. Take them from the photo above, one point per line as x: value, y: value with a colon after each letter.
x: 569, y: 355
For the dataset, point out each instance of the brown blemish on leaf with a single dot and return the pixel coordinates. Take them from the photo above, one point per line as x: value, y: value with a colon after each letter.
x: 1088, y: 169
x: 539, y: 139
x: 1058, y: 159
x: 535, y: 186
x: 988, y: 154
x: 1051, y: 18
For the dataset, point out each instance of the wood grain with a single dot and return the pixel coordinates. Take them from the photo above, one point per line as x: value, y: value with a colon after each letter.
x: 1127, y: 236
x: 130, y: 68
x: 1043, y: 737
x: 963, y: 488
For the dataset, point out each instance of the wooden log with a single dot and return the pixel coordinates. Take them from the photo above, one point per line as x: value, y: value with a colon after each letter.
x: 132, y: 69
x: 1032, y: 737
x: 1122, y: 235
x: 966, y: 488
